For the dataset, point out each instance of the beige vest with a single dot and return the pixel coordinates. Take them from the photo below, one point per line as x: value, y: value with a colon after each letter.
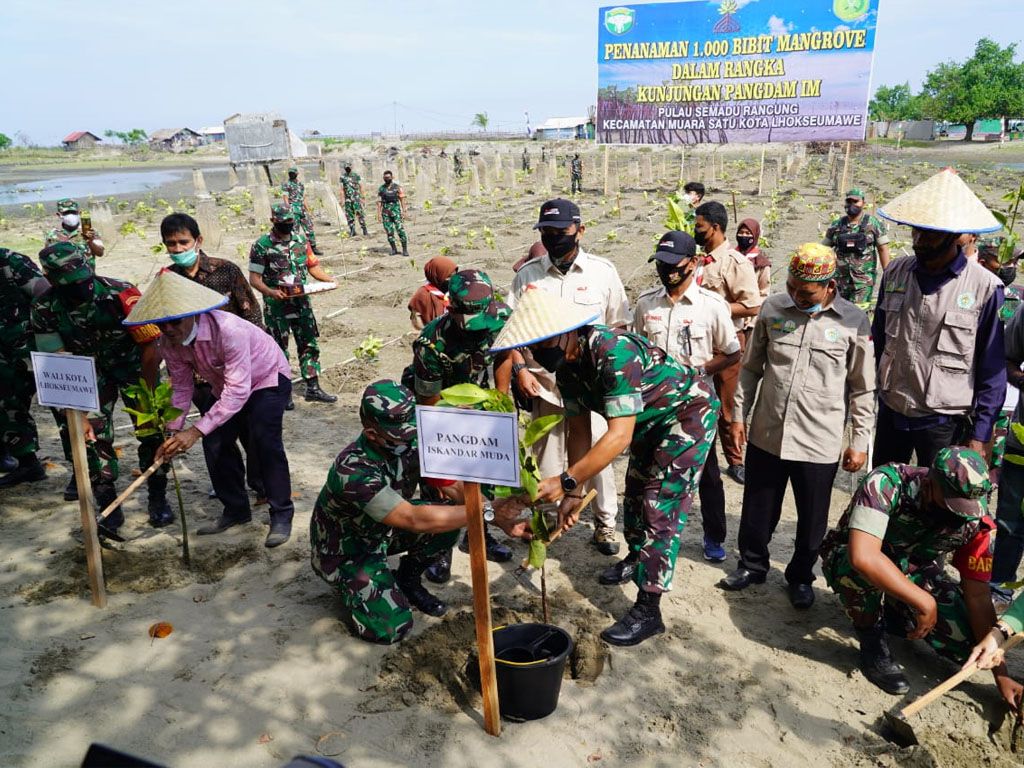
x: 928, y: 364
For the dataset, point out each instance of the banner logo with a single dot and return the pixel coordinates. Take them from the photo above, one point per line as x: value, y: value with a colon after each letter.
x: 619, y: 21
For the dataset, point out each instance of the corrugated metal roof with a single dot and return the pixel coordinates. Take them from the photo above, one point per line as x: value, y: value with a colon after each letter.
x: 72, y: 137
x: 210, y: 129
x: 555, y: 123
x: 168, y: 133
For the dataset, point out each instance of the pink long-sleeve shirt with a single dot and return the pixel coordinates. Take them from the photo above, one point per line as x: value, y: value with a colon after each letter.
x: 235, y: 356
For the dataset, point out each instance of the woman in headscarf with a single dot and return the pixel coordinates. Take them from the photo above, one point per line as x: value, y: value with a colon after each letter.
x: 431, y: 300
x: 747, y: 237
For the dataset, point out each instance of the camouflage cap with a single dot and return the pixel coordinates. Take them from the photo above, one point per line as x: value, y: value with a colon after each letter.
x: 63, y: 263
x: 282, y: 212
x: 855, y: 193
x: 293, y: 170
x: 473, y: 306
x: 67, y: 205
x: 963, y: 478
x: 390, y: 408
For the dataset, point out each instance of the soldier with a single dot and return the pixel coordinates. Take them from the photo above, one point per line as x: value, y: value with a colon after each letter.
x: 352, y: 191
x: 860, y: 241
x: 21, y: 282
x: 279, y: 259
x: 295, y: 195
x: 457, y: 162
x: 454, y: 349
x: 576, y: 173
x: 71, y: 231
x: 695, y: 327
x: 526, y: 160
x: 366, y: 512
x: 661, y: 411
x: 884, y: 561
x: 391, y: 211
x: 82, y: 313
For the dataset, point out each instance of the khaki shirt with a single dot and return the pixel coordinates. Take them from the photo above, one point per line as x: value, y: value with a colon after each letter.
x: 591, y: 282
x: 730, y: 274
x: 691, y: 329
x: 811, y: 370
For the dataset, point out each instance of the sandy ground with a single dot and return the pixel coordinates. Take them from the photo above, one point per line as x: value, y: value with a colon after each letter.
x: 259, y: 667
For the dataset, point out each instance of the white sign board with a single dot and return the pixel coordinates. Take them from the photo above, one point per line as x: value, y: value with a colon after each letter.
x: 472, y: 446
x: 66, y: 381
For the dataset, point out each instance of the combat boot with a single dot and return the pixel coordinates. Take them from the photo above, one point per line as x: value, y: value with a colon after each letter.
x: 71, y: 489
x: 877, y: 663
x: 364, y: 230
x: 8, y: 463
x: 317, y: 251
x: 408, y: 579
x: 316, y: 395
x: 440, y: 571
x: 405, y: 250
x: 642, y: 621
x: 351, y: 230
x: 28, y: 469
x: 394, y: 250
x: 105, y: 493
x: 160, y: 513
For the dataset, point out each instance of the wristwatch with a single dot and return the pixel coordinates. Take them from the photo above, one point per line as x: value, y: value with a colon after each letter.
x: 568, y: 482
x: 1004, y: 629
x: 517, y: 368
x: 488, y: 511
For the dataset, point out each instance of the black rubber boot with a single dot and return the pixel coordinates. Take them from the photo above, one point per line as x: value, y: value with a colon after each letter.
x: 105, y: 493
x: 394, y: 250
x: 642, y: 621
x: 440, y: 571
x: 364, y: 230
x: 407, y: 577
x: 71, y: 489
x: 317, y: 251
x: 316, y: 395
x: 877, y: 663
x: 160, y: 513
x: 405, y: 250
x: 28, y: 469
x: 351, y: 231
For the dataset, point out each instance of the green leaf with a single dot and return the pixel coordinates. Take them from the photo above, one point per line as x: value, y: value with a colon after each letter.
x: 171, y: 413
x: 540, y: 427
x: 147, y: 432
x: 502, y: 491
x: 1013, y: 458
x: 140, y: 417
x: 1018, y: 430
x: 464, y: 394
x: 539, y: 526
x: 530, y: 484
x: 1000, y: 216
x: 538, y: 553
x: 498, y: 402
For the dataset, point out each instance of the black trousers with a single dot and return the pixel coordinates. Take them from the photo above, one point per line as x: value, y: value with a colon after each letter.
x: 712, y: 498
x: 899, y: 445
x: 202, y: 397
x: 264, y: 413
x: 767, y: 476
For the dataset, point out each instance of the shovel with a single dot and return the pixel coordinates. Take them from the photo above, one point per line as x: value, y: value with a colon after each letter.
x: 101, y: 519
x: 900, y: 729
x: 522, y: 572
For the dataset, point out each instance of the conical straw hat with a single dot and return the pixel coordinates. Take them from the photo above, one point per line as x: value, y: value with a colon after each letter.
x: 539, y: 315
x: 171, y: 296
x: 943, y: 202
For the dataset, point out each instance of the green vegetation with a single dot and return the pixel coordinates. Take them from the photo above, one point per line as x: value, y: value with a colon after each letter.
x: 133, y: 137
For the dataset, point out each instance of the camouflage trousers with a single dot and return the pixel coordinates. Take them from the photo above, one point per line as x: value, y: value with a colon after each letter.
x: 855, y: 289
x: 661, y: 480
x: 307, y: 225
x: 379, y: 610
x: 576, y: 181
x: 999, y: 433
x: 353, y: 211
x: 392, y: 221
x: 101, y: 455
x: 866, y: 605
x: 17, y: 386
x: 295, y: 316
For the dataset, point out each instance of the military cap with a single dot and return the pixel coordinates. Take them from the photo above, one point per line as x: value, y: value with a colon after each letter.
x: 64, y: 263
x: 293, y: 170
x: 989, y: 247
x: 67, y: 205
x: 472, y: 303
x: 389, y: 408
x: 813, y: 262
x: 282, y: 212
x: 855, y: 193
x: 963, y: 479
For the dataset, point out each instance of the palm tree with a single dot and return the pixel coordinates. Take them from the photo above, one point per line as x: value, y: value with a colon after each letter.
x: 480, y: 119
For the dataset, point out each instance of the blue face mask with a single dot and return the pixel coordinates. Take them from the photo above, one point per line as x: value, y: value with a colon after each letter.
x: 185, y: 258
x: 810, y: 310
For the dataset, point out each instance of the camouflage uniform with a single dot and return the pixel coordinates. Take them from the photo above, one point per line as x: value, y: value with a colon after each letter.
x: 391, y: 213
x: 526, y: 160
x: 457, y: 160
x: 93, y: 329
x: 915, y: 538
x: 75, y: 236
x: 295, y: 196
x: 623, y: 374
x: 1013, y: 296
x: 274, y: 259
x: 353, y: 201
x: 856, y: 274
x: 20, y: 280
x: 443, y: 355
x: 350, y: 544
x: 576, y: 174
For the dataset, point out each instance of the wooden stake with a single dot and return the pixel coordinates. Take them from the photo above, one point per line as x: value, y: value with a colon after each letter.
x: 93, y: 555
x: 760, y: 181
x: 735, y: 210
x: 607, y: 188
x: 682, y: 165
x: 482, y: 605
x: 846, y: 172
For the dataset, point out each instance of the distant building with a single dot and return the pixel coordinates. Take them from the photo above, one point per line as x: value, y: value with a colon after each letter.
x: 212, y: 133
x: 174, y: 139
x: 565, y: 128
x: 80, y: 140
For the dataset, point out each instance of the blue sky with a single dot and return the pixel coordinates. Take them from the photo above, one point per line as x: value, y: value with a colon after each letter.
x: 338, y: 67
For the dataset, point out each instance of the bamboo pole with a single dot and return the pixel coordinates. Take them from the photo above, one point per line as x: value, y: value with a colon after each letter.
x: 93, y: 556
x: 846, y: 171
x: 607, y: 188
x: 482, y: 608
x: 760, y: 180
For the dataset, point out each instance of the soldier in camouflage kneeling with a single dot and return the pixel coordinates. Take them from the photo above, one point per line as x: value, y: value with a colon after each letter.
x: 365, y: 513
x: 884, y: 561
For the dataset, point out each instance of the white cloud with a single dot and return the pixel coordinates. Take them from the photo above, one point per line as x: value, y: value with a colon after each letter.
x: 741, y: 3
x: 777, y: 26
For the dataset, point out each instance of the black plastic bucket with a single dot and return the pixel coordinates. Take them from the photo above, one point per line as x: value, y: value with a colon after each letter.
x: 529, y: 661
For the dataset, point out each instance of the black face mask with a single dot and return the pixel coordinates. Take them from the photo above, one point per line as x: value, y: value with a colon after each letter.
x: 1007, y: 274
x: 284, y: 228
x: 853, y: 210
x: 700, y: 236
x: 76, y: 293
x: 387, y: 182
x: 672, y: 275
x: 931, y: 254
x: 744, y: 242
x: 558, y: 247
x: 551, y: 358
